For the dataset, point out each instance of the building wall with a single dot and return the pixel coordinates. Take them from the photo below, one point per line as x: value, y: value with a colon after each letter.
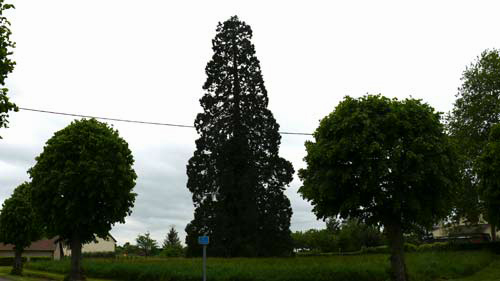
x: 93, y: 247
x: 442, y: 231
x: 28, y: 254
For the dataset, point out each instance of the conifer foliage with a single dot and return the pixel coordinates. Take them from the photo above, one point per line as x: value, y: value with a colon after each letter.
x: 236, y: 175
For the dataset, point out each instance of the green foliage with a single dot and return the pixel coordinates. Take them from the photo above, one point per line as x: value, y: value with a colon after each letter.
x: 386, y: 162
x: 173, y: 251
x: 475, y: 111
x: 319, y: 241
x: 19, y: 224
x: 9, y: 261
x: 82, y: 185
x: 422, y: 266
x: 127, y: 250
x: 236, y: 174
x: 354, y: 235
x: 147, y: 245
x: 172, y: 238
x: 350, y: 236
x: 35, y: 259
x: 99, y: 254
x: 489, y: 171
x: 380, y: 160
x: 6, y: 64
x: 83, y: 180
x: 172, y: 246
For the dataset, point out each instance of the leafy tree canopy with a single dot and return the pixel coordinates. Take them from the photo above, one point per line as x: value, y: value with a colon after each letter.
x: 476, y: 109
x: 147, y: 244
x: 383, y: 161
x: 83, y: 180
x: 82, y: 185
x: 19, y: 225
x: 6, y: 64
x: 18, y: 222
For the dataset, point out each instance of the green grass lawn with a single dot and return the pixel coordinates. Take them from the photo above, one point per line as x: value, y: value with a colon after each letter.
x: 422, y: 267
x: 490, y: 273
x: 35, y: 275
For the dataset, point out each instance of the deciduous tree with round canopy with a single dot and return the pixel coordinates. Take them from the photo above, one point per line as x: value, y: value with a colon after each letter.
x: 82, y: 185
x: 19, y: 225
x: 386, y: 162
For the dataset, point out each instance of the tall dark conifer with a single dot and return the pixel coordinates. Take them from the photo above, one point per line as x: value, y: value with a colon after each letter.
x: 236, y: 175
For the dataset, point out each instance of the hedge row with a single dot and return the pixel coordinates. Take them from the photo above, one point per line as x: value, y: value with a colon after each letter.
x: 408, y: 247
x: 439, y: 246
x: 99, y: 255
x: 7, y: 261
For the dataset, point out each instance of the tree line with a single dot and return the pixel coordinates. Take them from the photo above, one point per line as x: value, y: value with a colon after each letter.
x: 147, y: 246
x: 383, y: 162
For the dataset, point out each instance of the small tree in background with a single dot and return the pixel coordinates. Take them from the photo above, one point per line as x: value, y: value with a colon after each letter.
x: 19, y: 225
x: 489, y: 184
x: 6, y: 64
x: 82, y: 185
x: 172, y: 246
x: 146, y: 244
x: 385, y: 162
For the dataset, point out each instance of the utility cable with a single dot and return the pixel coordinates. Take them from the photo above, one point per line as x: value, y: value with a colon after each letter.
x: 132, y: 121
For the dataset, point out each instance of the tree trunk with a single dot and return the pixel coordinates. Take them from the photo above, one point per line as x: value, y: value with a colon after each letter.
x: 76, y: 273
x: 17, y: 268
x: 493, y: 232
x: 396, y: 243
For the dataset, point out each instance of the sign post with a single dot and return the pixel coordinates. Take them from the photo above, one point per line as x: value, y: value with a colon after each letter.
x: 203, y: 240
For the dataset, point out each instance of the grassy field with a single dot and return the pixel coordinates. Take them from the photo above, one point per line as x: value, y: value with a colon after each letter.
x: 422, y: 267
x: 490, y: 273
x: 35, y: 275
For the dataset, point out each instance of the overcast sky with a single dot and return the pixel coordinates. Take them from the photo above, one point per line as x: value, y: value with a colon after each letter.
x: 145, y: 60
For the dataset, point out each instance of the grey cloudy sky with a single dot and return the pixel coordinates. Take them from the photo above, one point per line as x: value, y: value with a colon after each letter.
x: 145, y: 60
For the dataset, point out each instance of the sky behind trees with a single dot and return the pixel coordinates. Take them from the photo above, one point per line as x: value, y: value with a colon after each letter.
x: 145, y: 60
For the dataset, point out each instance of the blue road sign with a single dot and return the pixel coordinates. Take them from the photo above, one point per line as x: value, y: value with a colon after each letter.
x: 203, y: 240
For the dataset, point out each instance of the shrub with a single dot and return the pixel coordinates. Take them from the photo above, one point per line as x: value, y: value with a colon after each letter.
x: 99, y: 255
x: 36, y: 259
x: 173, y: 251
x: 408, y: 247
x: 384, y: 249
x: 8, y: 261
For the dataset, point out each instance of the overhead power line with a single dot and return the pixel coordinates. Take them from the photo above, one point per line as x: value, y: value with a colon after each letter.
x: 132, y: 121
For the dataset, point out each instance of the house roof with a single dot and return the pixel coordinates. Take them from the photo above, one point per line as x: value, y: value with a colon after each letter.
x: 40, y: 245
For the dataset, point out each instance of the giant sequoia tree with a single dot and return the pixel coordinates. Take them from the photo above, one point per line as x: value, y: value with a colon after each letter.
x: 236, y: 175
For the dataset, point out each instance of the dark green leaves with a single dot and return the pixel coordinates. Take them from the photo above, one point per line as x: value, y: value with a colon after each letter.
x: 476, y: 110
x: 83, y: 180
x: 236, y: 175
x: 6, y: 64
x: 380, y: 160
x: 489, y: 171
x: 19, y: 224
